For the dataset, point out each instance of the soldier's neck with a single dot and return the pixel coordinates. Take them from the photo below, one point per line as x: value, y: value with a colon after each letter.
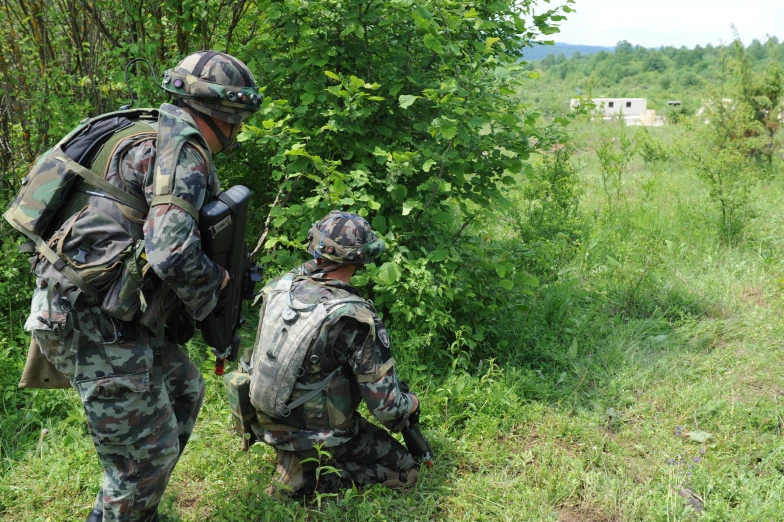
x: 344, y: 274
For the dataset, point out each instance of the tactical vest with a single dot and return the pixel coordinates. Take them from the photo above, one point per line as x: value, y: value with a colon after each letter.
x: 84, y: 222
x: 278, y: 363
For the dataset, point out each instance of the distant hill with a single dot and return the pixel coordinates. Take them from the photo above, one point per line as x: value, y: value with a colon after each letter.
x: 540, y: 51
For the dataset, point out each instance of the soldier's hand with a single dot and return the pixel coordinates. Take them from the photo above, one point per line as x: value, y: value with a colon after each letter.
x: 226, y: 280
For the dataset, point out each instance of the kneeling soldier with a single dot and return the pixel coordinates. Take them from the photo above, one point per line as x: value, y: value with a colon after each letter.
x: 322, y: 349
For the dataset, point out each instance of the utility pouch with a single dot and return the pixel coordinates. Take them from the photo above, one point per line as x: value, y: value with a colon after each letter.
x: 125, y: 297
x: 40, y: 373
x: 242, y: 412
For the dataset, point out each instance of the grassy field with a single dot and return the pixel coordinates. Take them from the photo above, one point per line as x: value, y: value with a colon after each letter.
x: 644, y: 383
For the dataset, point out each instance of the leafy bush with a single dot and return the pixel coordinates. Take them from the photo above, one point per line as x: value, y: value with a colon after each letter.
x: 406, y: 114
x: 615, y: 151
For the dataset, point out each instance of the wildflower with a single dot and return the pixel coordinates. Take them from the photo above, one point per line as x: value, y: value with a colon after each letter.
x: 678, y: 430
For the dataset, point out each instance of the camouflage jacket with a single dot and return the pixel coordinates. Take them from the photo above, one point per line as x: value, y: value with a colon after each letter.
x: 347, y: 341
x: 171, y: 236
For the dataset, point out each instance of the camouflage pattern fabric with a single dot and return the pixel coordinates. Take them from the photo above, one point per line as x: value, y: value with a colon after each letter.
x: 372, y: 457
x: 172, y: 239
x: 139, y: 429
x: 344, y: 237
x: 224, y: 87
x: 347, y: 341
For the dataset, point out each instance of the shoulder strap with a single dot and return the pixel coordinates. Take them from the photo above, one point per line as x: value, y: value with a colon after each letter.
x: 97, y: 181
x: 107, y: 151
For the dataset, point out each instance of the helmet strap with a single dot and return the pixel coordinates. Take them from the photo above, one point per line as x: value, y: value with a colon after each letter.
x: 228, y: 143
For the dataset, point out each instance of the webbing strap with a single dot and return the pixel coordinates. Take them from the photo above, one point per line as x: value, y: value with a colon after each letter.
x: 60, y: 265
x: 98, y: 182
x: 169, y: 199
x: 379, y: 373
x: 315, y: 389
x: 104, y: 155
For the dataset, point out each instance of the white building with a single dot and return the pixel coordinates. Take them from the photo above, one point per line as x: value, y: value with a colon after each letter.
x: 633, y: 111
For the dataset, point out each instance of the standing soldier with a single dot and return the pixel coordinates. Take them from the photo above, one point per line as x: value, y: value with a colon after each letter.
x: 321, y: 350
x: 121, y: 275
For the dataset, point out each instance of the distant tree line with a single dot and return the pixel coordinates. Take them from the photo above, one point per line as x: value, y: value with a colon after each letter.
x: 660, y: 75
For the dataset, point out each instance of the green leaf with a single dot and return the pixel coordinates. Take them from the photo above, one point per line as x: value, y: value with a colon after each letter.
x: 338, y: 187
x: 506, y: 284
x: 426, y: 165
x: 379, y: 224
x: 268, y: 124
x: 406, y: 100
x: 332, y: 75
x: 700, y: 436
x: 432, y: 43
x: 439, y: 255
x: 448, y: 130
x: 408, y: 206
x: 490, y: 41
x: 388, y: 274
x: 357, y: 82
x: 572, y: 352
x: 307, y: 98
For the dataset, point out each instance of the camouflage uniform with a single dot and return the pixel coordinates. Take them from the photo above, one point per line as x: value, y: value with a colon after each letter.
x: 354, y: 340
x: 141, y: 393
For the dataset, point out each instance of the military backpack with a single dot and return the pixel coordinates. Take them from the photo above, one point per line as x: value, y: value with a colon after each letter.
x: 288, y: 329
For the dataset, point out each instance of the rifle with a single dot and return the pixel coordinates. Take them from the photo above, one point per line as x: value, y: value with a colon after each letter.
x: 223, y: 222
x: 416, y: 443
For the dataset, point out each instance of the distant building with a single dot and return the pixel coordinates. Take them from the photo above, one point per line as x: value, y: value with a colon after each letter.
x: 674, y: 103
x: 633, y: 111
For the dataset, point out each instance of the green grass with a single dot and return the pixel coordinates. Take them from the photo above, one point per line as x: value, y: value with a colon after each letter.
x: 654, y: 331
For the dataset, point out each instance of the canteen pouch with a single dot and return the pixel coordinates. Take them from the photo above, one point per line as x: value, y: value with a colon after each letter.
x: 243, y: 414
x: 125, y: 297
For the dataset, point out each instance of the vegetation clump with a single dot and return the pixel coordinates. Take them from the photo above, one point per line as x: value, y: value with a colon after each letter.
x: 587, y: 343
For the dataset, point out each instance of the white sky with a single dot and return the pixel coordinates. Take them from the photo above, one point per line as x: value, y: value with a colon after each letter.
x: 653, y: 23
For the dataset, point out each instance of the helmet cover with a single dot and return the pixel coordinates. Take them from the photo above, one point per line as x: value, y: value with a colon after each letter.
x: 215, y: 84
x: 344, y: 237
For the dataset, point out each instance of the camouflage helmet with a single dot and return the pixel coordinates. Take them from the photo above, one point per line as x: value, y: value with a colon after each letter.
x: 343, y: 237
x: 215, y: 84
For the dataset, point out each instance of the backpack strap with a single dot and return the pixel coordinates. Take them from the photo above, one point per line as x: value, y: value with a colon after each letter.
x: 315, y: 389
x: 101, y: 161
x: 97, y: 181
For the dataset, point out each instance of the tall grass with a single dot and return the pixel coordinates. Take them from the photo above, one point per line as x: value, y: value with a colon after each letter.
x: 641, y: 381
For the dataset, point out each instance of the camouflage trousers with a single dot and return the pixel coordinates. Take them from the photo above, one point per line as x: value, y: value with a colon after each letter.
x: 372, y: 457
x: 139, y: 426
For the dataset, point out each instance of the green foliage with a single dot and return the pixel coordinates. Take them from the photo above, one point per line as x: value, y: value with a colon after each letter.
x: 615, y: 150
x: 724, y: 142
x: 405, y: 114
x: 661, y: 75
x: 650, y: 149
